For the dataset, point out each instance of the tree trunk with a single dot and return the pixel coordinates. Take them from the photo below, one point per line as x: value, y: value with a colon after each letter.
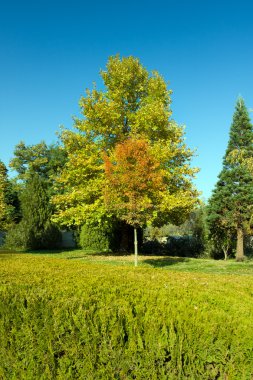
x: 225, y: 251
x: 239, y: 245
x: 225, y: 254
x: 135, y: 247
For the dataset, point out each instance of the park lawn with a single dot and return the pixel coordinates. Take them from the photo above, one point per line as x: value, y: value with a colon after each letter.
x: 182, y: 264
x: 71, y: 315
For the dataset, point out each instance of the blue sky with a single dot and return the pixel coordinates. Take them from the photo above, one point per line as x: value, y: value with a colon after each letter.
x: 51, y: 51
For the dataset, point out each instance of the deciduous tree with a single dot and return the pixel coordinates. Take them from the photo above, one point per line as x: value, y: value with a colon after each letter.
x: 135, y: 184
x: 135, y: 104
x: 40, y: 159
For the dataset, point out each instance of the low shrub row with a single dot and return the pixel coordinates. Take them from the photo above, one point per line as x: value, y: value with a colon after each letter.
x: 182, y: 246
x: 64, y: 319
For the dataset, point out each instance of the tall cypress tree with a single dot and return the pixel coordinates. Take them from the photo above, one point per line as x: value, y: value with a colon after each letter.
x: 230, y: 206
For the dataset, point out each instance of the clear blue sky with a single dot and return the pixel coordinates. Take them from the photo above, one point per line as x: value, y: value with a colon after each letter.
x: 51, y: 51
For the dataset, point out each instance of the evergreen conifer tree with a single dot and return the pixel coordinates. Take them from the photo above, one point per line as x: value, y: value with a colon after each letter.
x: 3, y: 176
x: 35, y: 230
x: 9, y: 203
x: 230, y: 206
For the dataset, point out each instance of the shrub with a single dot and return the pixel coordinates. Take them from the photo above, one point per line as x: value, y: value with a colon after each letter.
x: 153, y: 247
x: 100, y: 238
x: 62, y: 319
x: 113, y: 236
x: 2, y: 238
x: 22, y: 236
x: 17, y: 237
x: 184, y: 246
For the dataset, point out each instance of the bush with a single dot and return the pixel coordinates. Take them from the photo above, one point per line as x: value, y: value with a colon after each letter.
x: 182, y: 246
x: 154, y: 247
x: 51, y: 237
x: 17, y: 237
x: 70, y: 320
x: 2, y: 238
x: 103, y: 238
x: 22, y: 236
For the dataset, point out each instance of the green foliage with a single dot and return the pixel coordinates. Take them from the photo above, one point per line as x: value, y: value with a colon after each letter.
x: 134, y: 104
x: 3, y: 173
x: 46, y: 161
x: 9, y: 202
x: 35, y: 230
x: 112, y: 236
x: 25, y: 236
x: 184, y: 246
x: 230, y: 206
x: 17, y: 237
x: 186, y: 240
x: 100, y: 238
x: 69, y: 320
x: 176, y: 246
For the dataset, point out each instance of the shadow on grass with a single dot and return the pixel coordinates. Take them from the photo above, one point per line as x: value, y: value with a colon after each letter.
x: 99, y: 254
x: 161, y: 262
x: 116, y: 254
x: 6, y: 253
x: 50, y: 252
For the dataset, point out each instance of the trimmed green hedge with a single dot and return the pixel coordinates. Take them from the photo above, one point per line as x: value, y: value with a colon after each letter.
x: 97, y: 238
x: 100, y: 238
x: 63, y: 319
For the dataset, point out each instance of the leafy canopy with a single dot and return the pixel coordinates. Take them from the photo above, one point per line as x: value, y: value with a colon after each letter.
x: 134, y: 182
x: 42, y: 159
x: 133, y: 104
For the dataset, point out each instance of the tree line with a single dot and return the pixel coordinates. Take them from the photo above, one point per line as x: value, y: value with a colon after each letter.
x: 124, y: 168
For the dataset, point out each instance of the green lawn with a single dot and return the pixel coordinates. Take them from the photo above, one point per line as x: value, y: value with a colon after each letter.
x: 182, y: 264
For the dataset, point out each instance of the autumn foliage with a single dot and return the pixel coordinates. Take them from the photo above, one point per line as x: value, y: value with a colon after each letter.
x: 134, y: 181
x: 134, y: 105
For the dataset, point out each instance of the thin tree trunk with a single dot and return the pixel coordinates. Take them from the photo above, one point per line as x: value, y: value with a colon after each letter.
x: 239, y: 245
x: 135, y: 247
x: 225, y: 254
x: 225, y: 251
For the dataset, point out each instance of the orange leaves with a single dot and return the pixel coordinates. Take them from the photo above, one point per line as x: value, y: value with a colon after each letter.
x: 132, y: 177
x: 134, y: 180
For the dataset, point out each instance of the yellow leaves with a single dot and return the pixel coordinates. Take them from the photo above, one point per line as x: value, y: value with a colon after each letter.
x: 134, y: 106
x: 151, y: 119
x: 240, y: 156
x: 124, y: 77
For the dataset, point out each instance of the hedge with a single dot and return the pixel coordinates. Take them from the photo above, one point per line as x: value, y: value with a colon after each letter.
x: 64, y: 319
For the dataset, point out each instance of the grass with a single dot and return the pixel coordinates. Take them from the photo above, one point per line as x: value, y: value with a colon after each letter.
x: 181, y: 264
